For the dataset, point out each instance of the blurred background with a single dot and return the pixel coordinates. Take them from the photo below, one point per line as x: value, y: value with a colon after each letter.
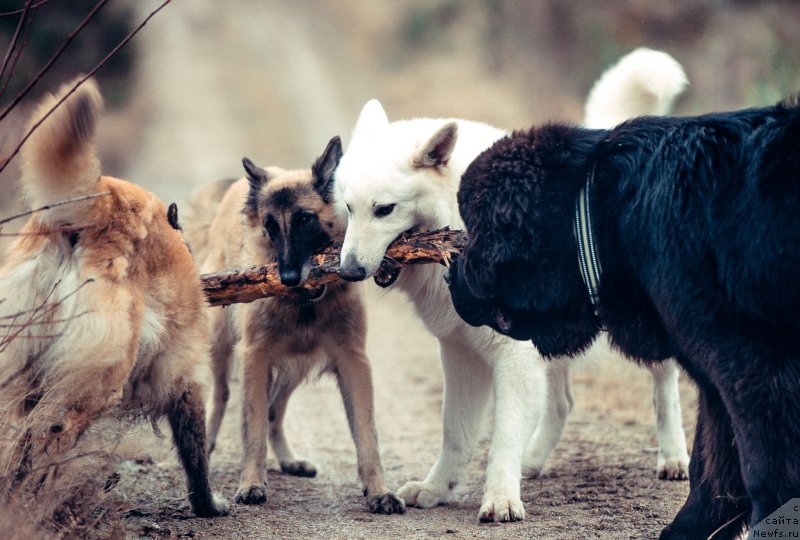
x: 207, y: 82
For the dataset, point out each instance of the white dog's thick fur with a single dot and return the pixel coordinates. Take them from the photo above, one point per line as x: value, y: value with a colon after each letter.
x: 405, y: 174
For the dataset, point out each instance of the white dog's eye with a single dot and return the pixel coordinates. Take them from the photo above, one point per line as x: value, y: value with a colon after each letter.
x: 383, y: 210
x: 349, y: 210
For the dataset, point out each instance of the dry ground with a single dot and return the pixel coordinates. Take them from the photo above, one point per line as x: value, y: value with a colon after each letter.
x: 600, y: 481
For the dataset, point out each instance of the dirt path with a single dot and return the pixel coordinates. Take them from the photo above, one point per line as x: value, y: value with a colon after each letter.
x: 222, y: 83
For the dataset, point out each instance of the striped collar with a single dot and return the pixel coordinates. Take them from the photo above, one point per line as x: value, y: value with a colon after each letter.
x: 587, y: 254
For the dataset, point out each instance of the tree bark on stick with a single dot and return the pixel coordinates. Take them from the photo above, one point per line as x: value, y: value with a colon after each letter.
x: 244, y: 285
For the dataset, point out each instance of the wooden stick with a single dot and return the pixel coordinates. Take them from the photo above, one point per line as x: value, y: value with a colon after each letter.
x: 248, y: 284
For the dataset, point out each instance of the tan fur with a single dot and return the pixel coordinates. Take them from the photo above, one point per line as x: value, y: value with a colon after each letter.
x: 107, y: 299
x: 279, y: 351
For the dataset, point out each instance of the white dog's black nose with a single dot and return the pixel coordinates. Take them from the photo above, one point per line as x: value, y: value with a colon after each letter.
x: 353, y: 273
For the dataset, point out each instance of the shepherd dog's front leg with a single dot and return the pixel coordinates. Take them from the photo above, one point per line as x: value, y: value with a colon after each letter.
x: 255, y: 405
x: 355, y: 383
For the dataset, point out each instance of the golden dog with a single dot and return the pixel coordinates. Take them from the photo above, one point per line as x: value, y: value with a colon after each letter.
x: 103, y: 301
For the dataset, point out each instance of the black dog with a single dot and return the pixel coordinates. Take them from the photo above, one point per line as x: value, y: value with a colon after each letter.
x: 696, y: 224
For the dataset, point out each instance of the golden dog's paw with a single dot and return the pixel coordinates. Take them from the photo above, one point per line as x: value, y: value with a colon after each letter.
x: 501, y: 509
x: 251, y: 494
x: 386, y: 503
x: 299, y: 468
x: 216, y: 507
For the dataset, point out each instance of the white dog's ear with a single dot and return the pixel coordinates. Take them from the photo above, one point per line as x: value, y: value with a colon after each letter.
x: 372, y: 118
x: 436, y: 152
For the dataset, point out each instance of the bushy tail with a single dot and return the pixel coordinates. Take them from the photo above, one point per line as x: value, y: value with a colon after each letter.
x: 60, y: 161
x: 644, y: 82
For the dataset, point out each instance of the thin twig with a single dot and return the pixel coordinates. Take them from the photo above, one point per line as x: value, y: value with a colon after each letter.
x: 54, y: 205
x: 713, y: 534
x: 39, y: 311
x: 18, y: 11
x: 54, y: 321
x: 28, y: 23
x: 81, y: 81
x: 22, y: 93
x: 13, y: 45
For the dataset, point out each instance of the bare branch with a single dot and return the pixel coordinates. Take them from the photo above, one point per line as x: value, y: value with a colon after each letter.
x: 54, y: 205
x: 22, y: 93
x: 80, y: 82
x: 13, y: 45
x: 28, y: 20
x: 248, y: 284
x: 25, y: 9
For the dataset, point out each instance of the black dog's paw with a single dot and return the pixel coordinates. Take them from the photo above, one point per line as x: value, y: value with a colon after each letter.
x: 386, y: 503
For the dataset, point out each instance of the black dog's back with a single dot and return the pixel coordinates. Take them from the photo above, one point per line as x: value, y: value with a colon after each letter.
x: 708, y: 182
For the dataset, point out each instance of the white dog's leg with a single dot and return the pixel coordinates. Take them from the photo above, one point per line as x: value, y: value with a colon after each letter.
x: 518, y: 385
x: 673, y: 459
x: 466, y: 390
x: 557, y: 406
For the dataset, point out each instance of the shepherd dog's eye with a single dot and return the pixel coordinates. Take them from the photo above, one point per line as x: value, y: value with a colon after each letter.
x: 271, y: 226
x: 306, y: 217
x: 383, y: 210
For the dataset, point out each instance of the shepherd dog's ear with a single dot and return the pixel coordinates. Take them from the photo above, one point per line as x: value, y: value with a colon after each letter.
x: 257, y: 178
x: 437, y: 150
x: 325, y: 166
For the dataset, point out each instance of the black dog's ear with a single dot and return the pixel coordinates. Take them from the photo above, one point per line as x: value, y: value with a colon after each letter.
x: 256, y: 177
x: 436, y: 152
x: 325, y: 166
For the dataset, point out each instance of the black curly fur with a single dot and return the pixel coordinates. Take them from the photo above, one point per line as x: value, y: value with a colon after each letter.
x: 697, y: 226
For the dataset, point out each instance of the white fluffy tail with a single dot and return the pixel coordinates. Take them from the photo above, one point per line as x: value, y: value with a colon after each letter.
x: 60, y: 161
x: 644, y: 82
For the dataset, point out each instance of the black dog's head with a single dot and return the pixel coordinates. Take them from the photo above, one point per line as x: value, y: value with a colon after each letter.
x: 294, y: 212
x: 519, y: 271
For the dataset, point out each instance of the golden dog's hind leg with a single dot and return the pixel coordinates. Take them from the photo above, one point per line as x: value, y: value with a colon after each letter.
x: 186, y: 418
x: 255, y: 399
x: 355, y: 384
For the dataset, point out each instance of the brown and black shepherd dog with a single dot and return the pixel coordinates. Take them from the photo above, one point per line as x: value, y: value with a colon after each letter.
x: 102, y: 306
x: 275, y: 215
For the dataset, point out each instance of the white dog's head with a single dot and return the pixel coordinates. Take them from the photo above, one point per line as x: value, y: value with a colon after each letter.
x: 390, y: 180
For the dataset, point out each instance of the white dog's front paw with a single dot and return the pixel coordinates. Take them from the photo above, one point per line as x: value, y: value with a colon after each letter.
x: 423, y: 494
x: 502, y: 508
x: 674, y: 468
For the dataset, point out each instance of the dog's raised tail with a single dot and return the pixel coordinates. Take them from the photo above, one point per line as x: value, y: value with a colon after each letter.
x: 59, y: 160
x: 644, y: 82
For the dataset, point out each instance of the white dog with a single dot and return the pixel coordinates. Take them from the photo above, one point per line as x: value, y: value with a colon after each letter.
x: 405, y: 174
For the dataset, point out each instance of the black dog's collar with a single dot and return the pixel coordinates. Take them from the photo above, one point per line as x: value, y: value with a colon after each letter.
x: 587, y: 256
